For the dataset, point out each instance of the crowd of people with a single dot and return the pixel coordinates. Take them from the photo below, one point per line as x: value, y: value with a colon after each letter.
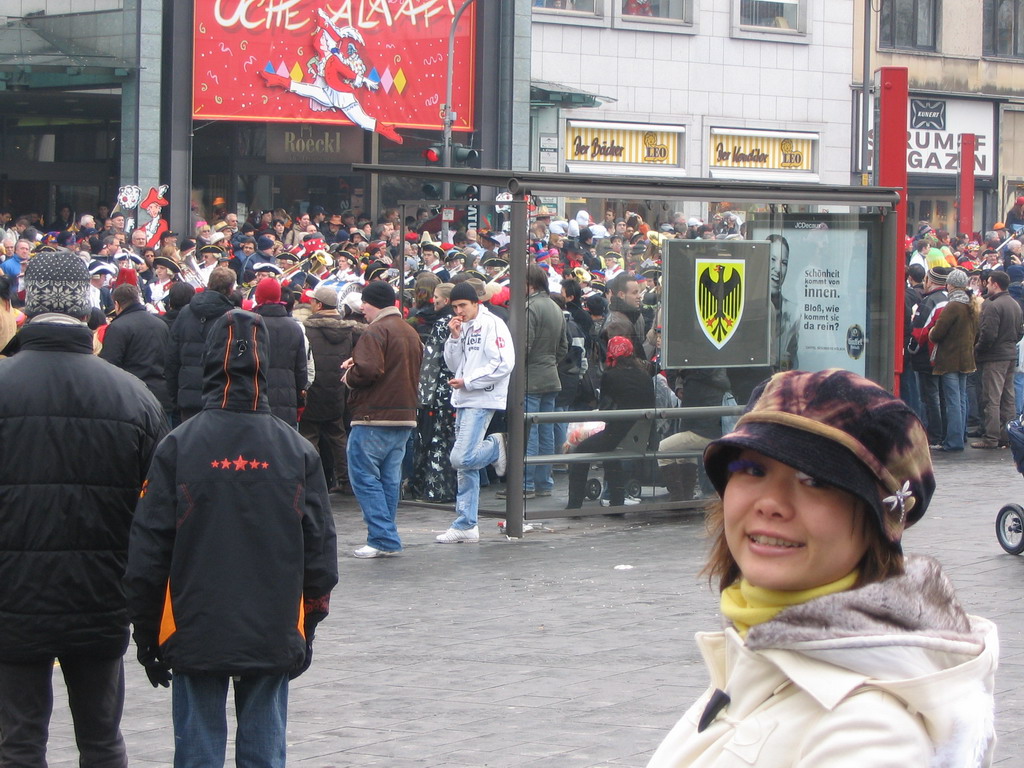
x: 284, y: 358
x: 963, y: 325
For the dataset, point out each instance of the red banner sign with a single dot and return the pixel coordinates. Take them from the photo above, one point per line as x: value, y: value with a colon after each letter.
x: 380, y: 64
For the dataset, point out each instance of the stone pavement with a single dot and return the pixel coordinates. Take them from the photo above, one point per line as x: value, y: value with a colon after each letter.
x: 543, y: 652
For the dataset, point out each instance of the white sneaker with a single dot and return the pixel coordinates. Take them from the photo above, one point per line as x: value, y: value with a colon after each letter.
x: 629, y: 501
x: 368, y: 551
x: 500, y: 464
x: 455, y: 536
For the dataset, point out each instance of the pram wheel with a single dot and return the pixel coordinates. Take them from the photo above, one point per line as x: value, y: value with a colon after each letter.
x: 593, y: 489
x: 634, y: 489
x: 1010, y: 528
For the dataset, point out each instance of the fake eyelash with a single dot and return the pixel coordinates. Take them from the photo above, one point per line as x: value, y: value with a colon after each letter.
x: 741, y: 465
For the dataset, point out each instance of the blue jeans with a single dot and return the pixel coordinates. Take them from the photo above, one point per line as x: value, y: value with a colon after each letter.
x: 473, y: 450
x: 200, y: 722
x: 541, y: 442
x: 1018, y: 391
x: 375, y: 472
x: 930, y: 385
x: 910, y: 392
x: 954, y: 387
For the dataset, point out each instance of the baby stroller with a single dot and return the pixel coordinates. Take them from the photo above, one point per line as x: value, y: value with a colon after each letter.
x: 1010, y: 520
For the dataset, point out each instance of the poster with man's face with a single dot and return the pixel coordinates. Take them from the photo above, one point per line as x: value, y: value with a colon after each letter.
x: 818, y: 290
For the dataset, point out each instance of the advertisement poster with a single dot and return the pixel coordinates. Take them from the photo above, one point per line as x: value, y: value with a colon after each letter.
x: 818, y: 290
x: 376, y: 64
x: 716, y: 311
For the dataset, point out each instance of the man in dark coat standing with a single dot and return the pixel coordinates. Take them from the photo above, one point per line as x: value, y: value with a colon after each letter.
x: 79, y: 435
x: 331, y: 340
x: 184, y: 368
x: 137, y: 342
x: 286, y: 372
x: 232, y: 558
x: 999, y: 331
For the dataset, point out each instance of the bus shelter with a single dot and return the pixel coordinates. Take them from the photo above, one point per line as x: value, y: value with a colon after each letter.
x: 810, y: 279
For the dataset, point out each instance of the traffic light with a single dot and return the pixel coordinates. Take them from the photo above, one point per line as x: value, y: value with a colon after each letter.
x: 433, y: 154
x: 464, y: 157
x: 432, y: 190
x: 465, y: 191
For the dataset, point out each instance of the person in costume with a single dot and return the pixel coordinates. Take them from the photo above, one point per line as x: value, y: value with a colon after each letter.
x: 166, y: 271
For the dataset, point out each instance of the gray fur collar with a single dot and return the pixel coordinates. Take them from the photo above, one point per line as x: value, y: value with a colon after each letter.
x: 921, y: 602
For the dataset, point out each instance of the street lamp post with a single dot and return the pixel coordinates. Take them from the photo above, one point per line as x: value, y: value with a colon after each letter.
x: 449, y: 113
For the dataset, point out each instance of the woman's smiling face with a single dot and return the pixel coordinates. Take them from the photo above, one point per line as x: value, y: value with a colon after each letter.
x: 785, y: 530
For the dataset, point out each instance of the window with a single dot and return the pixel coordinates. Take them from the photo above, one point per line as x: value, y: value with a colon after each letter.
x: 673, y: 10
x: 908, y: 24
x: 1004, y: 28
x: 778, y: 14
x: 580, y: 6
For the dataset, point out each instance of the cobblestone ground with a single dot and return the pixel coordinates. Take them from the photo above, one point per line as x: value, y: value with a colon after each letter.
x: 543, y: 652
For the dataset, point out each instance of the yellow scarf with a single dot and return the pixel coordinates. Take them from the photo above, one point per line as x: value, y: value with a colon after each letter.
x: 746, y: 605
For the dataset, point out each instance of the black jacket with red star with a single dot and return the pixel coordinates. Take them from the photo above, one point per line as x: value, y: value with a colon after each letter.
x: 232, y: 555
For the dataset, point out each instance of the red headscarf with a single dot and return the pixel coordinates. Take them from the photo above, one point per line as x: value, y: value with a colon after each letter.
x: 618, y: 346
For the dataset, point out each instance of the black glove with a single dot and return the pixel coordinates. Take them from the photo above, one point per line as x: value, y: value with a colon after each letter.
x: 157, y: 672
x: 298, y: 670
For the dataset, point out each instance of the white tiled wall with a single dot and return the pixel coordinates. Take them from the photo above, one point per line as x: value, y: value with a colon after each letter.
x: 710, y: 78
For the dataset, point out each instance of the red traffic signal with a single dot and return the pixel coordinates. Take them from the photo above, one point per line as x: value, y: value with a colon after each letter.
x: 432, y: 155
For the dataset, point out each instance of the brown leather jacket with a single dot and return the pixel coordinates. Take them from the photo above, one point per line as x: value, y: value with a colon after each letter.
x: 385, y: 373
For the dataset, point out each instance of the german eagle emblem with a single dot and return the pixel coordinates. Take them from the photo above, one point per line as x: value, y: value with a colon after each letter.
x: 719, y: 299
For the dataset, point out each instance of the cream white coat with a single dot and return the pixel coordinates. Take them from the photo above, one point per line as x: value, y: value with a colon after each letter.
x: 893, y: 675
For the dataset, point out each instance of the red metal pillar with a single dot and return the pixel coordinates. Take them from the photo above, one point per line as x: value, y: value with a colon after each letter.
x: 965, y: 182
x: 891, y: 171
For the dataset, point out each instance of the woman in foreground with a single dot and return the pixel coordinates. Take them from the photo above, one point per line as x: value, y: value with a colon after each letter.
x: 837, y: 650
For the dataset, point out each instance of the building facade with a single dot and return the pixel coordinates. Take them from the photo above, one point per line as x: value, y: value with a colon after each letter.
x: 965, y: 63
x: 740, y: 89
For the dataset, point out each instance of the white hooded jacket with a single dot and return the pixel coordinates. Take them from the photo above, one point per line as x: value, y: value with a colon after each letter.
x: 891, y: 675
x: 483, y: 358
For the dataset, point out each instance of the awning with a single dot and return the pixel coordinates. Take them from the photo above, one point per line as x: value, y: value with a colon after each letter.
x: 42, y: 50
x: 545, y: 94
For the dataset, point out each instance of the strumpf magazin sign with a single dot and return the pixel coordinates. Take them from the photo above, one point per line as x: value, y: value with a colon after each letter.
x: 379, y: 65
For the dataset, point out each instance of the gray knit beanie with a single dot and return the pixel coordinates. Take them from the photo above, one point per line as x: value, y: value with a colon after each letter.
x: 57, y: 282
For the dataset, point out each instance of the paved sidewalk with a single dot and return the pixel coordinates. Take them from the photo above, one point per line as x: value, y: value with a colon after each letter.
x: 544, y: 652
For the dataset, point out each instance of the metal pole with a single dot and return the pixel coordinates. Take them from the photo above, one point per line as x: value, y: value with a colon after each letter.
x: 865, y: 122
x: 449, y: 114
x: 514, y: 503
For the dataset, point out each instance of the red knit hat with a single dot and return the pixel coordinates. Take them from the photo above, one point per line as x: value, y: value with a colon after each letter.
x: 268, y: 291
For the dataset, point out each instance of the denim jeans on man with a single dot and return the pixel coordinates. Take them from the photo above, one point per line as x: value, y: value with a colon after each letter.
x: 375, y: 471
x: 931, y: 400
x: 96, y: 698
x: 954, y: 389
x: 540, y: 442
x: 473, y: 450
x: 200, y: 721
x: 910, y: 391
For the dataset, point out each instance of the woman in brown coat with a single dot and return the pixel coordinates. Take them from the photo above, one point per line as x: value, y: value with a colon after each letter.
x: 953, y: 356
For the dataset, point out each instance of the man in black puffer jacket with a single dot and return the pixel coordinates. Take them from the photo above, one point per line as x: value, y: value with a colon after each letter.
x: 137, y: 341
x: 184, y: 368
x: 286, y: 372
x: 78, y: 436
x: 232, y: 557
